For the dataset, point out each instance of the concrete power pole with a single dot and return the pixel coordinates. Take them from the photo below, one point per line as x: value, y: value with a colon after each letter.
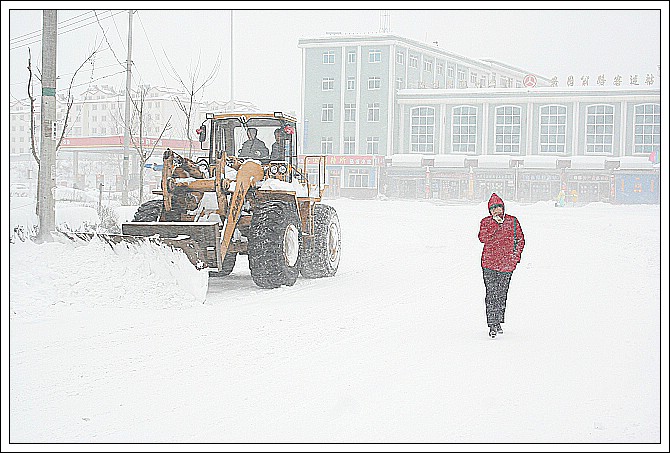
x: 126, y: 133
x: 232, y: 95
x: 47, y: 169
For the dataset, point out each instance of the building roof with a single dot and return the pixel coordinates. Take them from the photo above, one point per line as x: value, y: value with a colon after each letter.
x: 333, y: 39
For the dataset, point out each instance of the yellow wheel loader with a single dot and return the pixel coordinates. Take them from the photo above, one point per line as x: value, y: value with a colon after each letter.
x: 247, y: 194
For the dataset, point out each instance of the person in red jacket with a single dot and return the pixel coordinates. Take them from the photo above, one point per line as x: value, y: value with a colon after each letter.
x: 503, y: 242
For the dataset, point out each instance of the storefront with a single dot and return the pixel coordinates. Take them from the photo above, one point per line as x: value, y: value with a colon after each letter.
x: 353, y: 176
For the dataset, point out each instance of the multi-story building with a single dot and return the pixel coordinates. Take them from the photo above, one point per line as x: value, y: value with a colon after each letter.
x: 446, y: 126
x: 351, y: 88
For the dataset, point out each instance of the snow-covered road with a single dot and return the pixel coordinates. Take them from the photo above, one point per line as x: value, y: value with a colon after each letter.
x: 392, y: 349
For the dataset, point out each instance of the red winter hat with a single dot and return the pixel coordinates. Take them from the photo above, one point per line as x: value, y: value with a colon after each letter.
x: 495, y: 200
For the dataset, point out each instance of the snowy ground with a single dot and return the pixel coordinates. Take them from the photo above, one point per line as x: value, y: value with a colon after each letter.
x: 393, y: 349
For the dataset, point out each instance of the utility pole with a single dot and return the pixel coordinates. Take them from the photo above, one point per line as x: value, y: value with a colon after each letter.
x: 232, y: 97
x: 47, y: 168
x: 126, y: 133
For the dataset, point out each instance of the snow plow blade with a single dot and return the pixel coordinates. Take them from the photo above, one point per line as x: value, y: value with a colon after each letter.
x: 198, y: 240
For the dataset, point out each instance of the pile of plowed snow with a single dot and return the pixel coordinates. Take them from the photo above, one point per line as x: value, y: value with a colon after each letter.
x: 93, y: 274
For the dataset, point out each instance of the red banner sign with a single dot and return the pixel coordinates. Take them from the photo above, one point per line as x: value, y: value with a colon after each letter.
x: 347, y: 159
x: 117, y: 141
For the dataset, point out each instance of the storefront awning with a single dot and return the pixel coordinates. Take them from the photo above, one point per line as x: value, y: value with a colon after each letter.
x: 493, y: 161
x: 449, y: 160
x: 587, y: 162
x: 634, y: 163
x: 407, y: 160
x: 547, y: 162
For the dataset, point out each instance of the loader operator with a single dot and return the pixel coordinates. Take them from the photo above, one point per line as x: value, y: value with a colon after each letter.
x: 253, y: 148
x: 277, y: 147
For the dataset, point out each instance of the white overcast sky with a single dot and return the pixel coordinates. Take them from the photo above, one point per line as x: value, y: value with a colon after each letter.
x: 546, y: 38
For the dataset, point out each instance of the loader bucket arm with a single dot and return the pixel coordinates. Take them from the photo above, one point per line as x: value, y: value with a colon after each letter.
x: 168, y: 168
x: 247, y: 175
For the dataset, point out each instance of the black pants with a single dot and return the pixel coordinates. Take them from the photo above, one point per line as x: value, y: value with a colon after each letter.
x: 497, y: 284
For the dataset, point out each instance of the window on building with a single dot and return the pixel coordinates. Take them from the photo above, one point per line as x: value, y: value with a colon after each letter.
x: 372, y: 145
x: 553, y: 121
x: 327, y: 84
x: 473, y: 78
x: 440, y: 68
x: 94, y: 118
x: 482, y: 81
x: 462, y: 82
x: 373, y: 112
x: 94, y: 107
x: 349, y: 112
x: 351, y: 56
x: 450, y: 71
x: 413, y: 61
x: 508, y: 129
x: 349, y: 145
x: 374, y: 83
x: 647, y: 128
x: 327, y: 113
x: 94, y: 130
x: 400, y: 83
x: 422, y: 130
x: 104, y: 106
x: 464, y: 129
x: 375, y: 56
x: 326, y: 145
x: 329, y: 57
x: 599, y: 128
x: 351, y: 83
x: 359, y: 177
x: 400, y: 58
x: 428, y: 65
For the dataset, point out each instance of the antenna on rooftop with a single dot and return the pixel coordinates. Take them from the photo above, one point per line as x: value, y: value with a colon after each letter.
x: 384, y: 21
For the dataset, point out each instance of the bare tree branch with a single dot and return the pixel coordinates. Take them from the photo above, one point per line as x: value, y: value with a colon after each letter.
x: 70, y: 98
x: 192, y: 89
x: 32, y: 110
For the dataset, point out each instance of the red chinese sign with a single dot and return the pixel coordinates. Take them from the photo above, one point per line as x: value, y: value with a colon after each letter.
x: 347, y: 159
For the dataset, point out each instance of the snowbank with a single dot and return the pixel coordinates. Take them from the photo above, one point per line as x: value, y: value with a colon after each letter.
x: 93, y: 274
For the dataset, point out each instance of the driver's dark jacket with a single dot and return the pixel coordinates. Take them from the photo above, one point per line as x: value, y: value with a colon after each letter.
x: 254, y: 149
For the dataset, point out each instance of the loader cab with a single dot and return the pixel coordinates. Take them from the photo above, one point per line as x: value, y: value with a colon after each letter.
x: 227, y: 133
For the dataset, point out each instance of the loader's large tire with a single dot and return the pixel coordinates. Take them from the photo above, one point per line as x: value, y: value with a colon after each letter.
x: 149, y: 211
x: 321, y: 254
x: 227, y: 266
x: 275, y: 242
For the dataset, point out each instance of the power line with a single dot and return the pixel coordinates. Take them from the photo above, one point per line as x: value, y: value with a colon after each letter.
x: 152, y: 48
x: 39, y: 32
x: 104, y: 34
x: 78, y: 85
x: 66, y: 74
x: 59, y: 33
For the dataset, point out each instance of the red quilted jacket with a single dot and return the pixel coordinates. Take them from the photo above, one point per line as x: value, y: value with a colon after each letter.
x: 499, y: 252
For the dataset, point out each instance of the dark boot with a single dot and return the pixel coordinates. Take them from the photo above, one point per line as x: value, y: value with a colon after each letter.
x: 498, y: 328
x: 492, y: 331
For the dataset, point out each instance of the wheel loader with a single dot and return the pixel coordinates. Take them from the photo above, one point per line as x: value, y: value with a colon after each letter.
x: 220, y: 205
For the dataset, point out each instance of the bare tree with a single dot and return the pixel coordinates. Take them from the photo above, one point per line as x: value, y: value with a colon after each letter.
x: 192, y: 86
x: 137, y: 134
x: 69, y: 100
